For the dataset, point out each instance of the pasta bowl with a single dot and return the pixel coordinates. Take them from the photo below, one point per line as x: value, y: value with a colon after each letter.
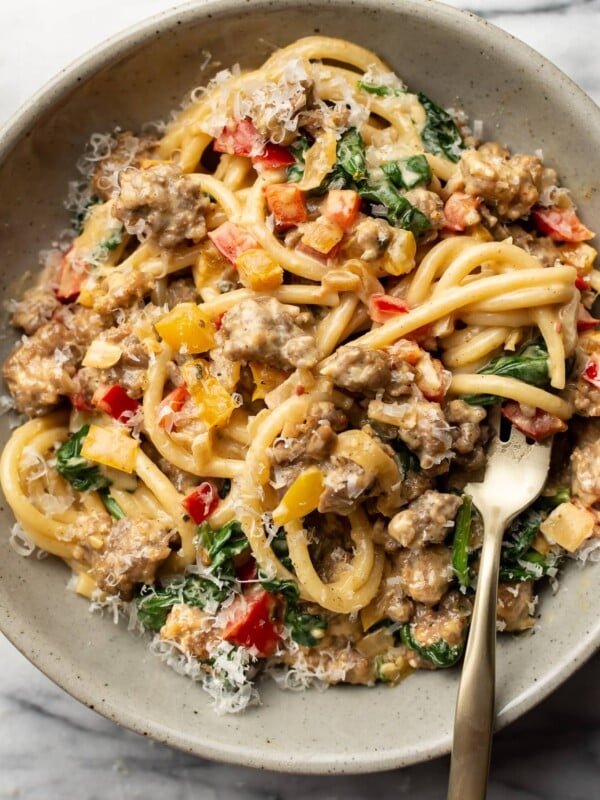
x: 459, y: 60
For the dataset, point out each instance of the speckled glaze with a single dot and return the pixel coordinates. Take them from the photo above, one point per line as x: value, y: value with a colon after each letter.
x: 459, y: 60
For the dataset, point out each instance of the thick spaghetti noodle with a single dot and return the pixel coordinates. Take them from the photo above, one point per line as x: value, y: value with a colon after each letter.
x: 273, y: 344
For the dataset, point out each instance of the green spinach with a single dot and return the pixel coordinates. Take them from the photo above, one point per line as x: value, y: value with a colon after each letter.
x: 306, y: 629
x: 440, y: 134
x: 81, y: 473
x: 154, y: 605
x: 406, y: 173
x: 460, y: 544
x: 439, y: 653
x: 531, y: 366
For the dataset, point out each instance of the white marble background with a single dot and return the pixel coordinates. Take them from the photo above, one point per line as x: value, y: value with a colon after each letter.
x: 52, y: 748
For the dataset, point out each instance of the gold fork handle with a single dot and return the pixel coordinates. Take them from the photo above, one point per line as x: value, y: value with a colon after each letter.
x: 474, y: 720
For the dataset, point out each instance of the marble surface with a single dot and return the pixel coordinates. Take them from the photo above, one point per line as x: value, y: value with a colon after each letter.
x: 50, y: 746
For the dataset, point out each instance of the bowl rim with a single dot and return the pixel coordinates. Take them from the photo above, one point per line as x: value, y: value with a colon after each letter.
x: 58, y: 88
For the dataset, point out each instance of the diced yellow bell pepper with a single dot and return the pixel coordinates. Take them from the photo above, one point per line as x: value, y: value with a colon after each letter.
x: 301, y: 498
x: 579, y: 255
x: 318, y: 160
x: 187, y: 328
x: 479, y: 232
x: 399, y: 257
x: 322, y: 235
x: 214, y: 401
x: 568, y: 525
x: 265, y: 378
x: 210, y: 266
x: 110, y: 446
x: 258, y: 270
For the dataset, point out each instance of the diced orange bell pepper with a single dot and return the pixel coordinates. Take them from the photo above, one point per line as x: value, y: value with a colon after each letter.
x: 301, y: 498
x: 215, y: 402
x: 579, y: 255
x: 322, y: 235
x: 286, y: 203
x: 258, y: 270
x: 265, y: 378
x: 187, y: 328
x: 341, y: 206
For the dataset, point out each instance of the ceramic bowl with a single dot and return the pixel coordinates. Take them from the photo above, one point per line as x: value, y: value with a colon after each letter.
x: 459, y: 60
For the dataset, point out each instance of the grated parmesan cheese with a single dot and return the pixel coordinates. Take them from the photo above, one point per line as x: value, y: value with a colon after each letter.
x: 20, y: 541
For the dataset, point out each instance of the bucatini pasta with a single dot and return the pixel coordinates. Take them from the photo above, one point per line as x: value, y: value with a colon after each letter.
x: 259, y: 374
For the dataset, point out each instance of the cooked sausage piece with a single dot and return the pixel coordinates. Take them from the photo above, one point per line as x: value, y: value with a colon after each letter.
x: 421, y: 425
x: 425, y: 574
x: 37, y: 306
x: 40, y: 371
x: 312, y: 439
x: 427, y: 520
x: 468, y: 435
x: 359, y: 369
x: 133, y: 550
x: 585, y: 465
x: 274, y: 107
x: 344, y: 484
x: 511, y: 186
x: 430, y: 204
x: 514, y: 610
x: 448, y: 622
x: 584, y: 395
x: 265, y: 330
x: 161, y: 203
x: 192, y: 631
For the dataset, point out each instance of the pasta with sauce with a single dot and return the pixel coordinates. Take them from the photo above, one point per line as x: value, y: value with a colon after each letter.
x: 259, y: 375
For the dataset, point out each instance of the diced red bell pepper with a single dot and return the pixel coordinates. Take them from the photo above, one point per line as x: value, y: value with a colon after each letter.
x: 286, y: 203
x: 591, y: 371
x: 201, y: 501
x: 252, y: 624
x: 341, y: 206
x: 171, y: 404
x: 70, y: 278
x: 541, y: 425
x: 80, y: 402
x: 115, y: 402
x: 561, y: 224
x: 461, y: 210
x: 385, y: 306
x: 585, y: 321
x: 231, y: 240
x: 582, y: 282
x: 239, y: 138
x: 273, y: 157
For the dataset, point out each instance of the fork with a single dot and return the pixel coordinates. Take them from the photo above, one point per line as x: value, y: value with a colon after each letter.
x: 515, y: 475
